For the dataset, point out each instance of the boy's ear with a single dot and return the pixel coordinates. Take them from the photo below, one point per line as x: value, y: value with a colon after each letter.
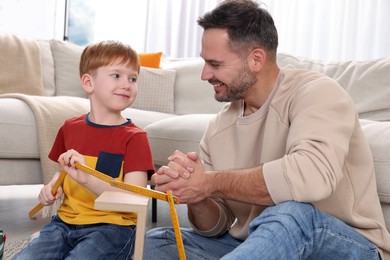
x: 86, y: 82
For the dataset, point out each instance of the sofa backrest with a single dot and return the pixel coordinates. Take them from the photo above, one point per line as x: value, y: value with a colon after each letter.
x: 176, y: 87
x: 20, y: 65
x: 367, y: 82
x: 192, y: 95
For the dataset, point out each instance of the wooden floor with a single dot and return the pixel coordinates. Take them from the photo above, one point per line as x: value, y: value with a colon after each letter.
x: 17, y: 200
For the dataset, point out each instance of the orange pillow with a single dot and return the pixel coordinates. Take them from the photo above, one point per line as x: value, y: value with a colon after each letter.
x: 151, y: 60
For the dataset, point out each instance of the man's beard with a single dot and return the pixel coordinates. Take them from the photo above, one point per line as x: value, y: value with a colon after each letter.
x: 237, y: 89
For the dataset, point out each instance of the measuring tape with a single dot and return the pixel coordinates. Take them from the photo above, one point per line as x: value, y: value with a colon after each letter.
x: 176, y: 226
x: 146, y: 192
x: 141, y: 190
x: 125, y: 186
x: 133, y: 188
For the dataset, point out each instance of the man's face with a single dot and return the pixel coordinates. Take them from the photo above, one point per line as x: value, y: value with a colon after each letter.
x: 230, y: 76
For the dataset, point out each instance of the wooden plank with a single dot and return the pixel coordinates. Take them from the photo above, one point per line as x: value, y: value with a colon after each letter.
x: 127, y: 202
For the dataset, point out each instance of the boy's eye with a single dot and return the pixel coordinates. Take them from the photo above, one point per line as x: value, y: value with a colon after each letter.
x: 133, y: 80
x: 117, y: 76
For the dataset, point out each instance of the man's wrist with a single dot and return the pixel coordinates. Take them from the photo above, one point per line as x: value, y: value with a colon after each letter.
x: 209, y: 184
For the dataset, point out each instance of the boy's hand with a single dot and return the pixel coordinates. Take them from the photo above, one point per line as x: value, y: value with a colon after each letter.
x: 67, y: 162
x: 46, y: 197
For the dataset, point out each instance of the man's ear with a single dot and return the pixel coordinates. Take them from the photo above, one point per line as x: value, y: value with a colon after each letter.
x: 257, y: 57
x: 86, y: 82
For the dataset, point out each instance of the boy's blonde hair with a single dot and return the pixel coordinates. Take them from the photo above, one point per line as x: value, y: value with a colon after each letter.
x: 105, y: 53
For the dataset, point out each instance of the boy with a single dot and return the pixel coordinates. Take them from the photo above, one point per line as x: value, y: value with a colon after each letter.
x: 102, y: 139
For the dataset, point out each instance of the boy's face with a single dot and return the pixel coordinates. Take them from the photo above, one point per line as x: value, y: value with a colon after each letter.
x: 114, y: 87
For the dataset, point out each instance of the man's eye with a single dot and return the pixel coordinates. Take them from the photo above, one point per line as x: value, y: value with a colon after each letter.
x: 117, y: 76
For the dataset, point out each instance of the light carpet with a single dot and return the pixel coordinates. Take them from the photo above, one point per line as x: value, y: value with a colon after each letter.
x: 11, y: 249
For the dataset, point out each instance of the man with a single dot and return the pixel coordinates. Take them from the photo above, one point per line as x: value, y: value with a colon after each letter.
x: 284, y: 171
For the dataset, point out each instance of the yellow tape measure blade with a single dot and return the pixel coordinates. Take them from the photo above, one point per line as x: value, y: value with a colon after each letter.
x: 176, y: 226
x: 141, y: 190
x: 93, y: 172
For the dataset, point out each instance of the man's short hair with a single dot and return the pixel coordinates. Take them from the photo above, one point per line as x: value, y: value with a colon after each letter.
x: 248, y: 26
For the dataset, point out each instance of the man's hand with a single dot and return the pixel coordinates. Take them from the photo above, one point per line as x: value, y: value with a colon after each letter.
x: 184, y: 176
x: 179, y: 165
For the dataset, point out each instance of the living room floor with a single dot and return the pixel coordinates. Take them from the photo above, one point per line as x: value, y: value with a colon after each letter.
x: 17, y: 200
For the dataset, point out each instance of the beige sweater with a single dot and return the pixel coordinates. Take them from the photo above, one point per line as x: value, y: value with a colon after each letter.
x: 309, y: 139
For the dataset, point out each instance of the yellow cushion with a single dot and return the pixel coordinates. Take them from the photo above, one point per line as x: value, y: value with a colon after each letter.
x: 151, y: 60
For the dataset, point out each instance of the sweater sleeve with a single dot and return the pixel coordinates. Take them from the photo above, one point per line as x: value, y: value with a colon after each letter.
x: 226, y: 219
x: 226, y: 216
x: 321, y: 117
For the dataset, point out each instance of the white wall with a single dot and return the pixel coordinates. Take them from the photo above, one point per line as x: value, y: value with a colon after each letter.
x: 332, y: 30
x: 121, y: 20
x: 323, y: 29
x: 32, y: 18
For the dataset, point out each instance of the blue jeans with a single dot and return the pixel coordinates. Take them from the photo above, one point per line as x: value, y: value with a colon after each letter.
x: 58, y: 240
x: 289, y: 230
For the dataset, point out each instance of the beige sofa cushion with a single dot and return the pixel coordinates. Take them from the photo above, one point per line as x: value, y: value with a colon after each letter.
x: 21, y: 171
x: 176, y: 133
x: 66, y: 63
x: 18, y: 130
x: 143, y: 118
x: 368, y: 82
x: 378, y: 136
x: 47, y: 62
x: 20, y: 65
x: 192, y: 95
x: 156, y: 88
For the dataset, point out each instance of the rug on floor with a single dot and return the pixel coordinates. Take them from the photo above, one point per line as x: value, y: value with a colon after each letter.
x: 11, y: 249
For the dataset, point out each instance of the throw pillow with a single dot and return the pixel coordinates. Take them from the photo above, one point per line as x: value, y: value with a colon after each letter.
x: 20, y: 65
x: 47, y: 61
x: 367, y: 82
x: 66, y: 62
x: 156, y: 90
x: 150, y: 60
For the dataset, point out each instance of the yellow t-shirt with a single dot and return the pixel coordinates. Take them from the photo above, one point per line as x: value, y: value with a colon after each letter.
x: 78, y: 204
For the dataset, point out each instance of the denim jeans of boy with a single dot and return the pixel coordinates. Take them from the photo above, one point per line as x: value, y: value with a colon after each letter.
x: 58, y: 240
x: 289, y: 230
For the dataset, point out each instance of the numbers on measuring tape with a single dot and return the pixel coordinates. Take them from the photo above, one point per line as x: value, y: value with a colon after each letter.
x: 143, y: 191
x: 125, y: 186
x: 94, y: 172
x: 176, y: 226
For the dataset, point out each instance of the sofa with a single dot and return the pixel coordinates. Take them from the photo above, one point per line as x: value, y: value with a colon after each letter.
x: 173, y: 105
